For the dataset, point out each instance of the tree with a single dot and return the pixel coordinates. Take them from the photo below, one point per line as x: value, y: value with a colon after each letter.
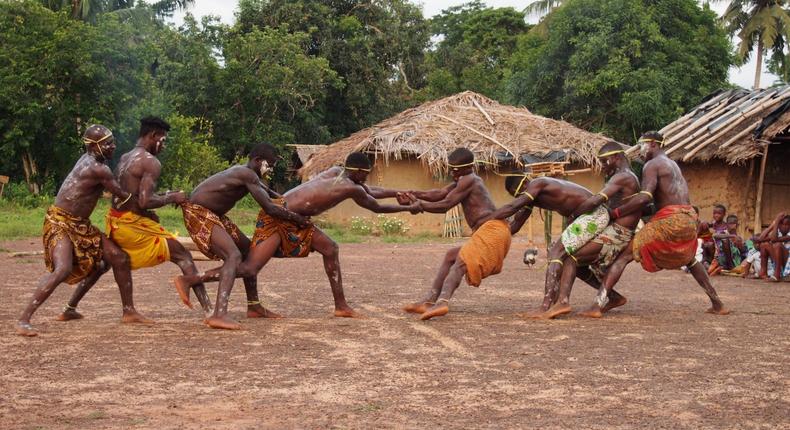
x: 472, y: 54
x: 761, y: 23
x: 189, y: 157
x: 376, y: 49
x: 542, y: 7
x: 621, y: 66
x: 89, y: 10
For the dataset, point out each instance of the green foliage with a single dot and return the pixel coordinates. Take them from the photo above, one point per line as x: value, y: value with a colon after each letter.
x: 476, y: 43
x: 188, y: 157
x: 17, y: 194
x: 391, y: 226
x: 620, y: 66
x: 361, y: 226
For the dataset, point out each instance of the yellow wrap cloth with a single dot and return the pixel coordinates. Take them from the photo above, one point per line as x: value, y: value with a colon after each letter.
x: 295, y: 242
x: 141, y: 237
x: 85, y: 239
x: 486, y: 250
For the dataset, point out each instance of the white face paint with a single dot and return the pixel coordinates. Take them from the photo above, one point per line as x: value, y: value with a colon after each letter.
x: 643, y: 150
x: 264, y: 168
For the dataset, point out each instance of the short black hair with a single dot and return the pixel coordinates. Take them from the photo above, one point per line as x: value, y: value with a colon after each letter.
x: 720, y: 206
x: 461, y: 156
x: 265, y: 151
x: 152, y: 124
x: 732, y: 217
x: 609, y: 146
x: 511, y: 182
x: 652, y: 134
x: 358, y: 160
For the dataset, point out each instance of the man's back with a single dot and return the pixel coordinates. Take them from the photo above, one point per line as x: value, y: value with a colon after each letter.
x: 321, y: 193
x: 131, y: 168
x: 671, y: 187
x: 220, y: 192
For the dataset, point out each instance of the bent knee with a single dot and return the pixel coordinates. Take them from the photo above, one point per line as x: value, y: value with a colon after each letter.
x: 234, y: 258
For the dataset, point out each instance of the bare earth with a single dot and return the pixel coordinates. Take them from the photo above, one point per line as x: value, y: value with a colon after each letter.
x: 658, y: 362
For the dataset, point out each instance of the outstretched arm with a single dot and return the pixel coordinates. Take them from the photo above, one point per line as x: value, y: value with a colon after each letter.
x: 381, y: 193
x: 367, y: 201
x: 459, y: 191
x: 262, y: 197
x: 434, y: 195
x: 526, y: 200
x: 612, y: 187
x: 649, y: 185
x: 519, y: 219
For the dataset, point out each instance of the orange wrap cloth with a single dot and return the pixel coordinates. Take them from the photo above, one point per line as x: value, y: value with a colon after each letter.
x: 199, y: 222
x: 295, y: 242
x: 85, y: 239
x: 669, y: 240
x: 141, y: 237
x: 486, y: 250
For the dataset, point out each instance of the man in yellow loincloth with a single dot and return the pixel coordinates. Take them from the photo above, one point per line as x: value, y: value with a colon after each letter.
x: 133, y: 225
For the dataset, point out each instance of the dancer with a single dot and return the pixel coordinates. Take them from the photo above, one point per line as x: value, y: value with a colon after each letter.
x: 134, y: 226
x: 669, y: 239
x: 601, y: 251
x: 217, y: 237
x: 282, y: 238
x: 73, y: 247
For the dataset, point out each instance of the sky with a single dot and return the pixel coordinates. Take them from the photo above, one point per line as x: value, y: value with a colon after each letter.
x: 224, y: 9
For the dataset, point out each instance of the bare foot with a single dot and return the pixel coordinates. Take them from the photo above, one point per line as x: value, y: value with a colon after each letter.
x: 69, y: 314
x: 182, y: 288
x: 223, y: 322
x: 555, y: 310
x: 347, y: 312
x: 24, y: 328
x: 258, y: 311
x: 614, y: 302
x: 437, y: 310
x: 593, y: 311
x: 134, y: 317
x: 720, y: 310
x: 533, y: 313
x: 417, y: 308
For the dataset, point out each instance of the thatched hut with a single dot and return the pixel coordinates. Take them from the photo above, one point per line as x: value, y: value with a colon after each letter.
x: 732, y: 149
x: 411, y: 149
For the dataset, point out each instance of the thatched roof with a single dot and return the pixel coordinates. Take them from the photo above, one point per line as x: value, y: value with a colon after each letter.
x: 432, y: 130
x: 732, y: 125
x: 304, y: 152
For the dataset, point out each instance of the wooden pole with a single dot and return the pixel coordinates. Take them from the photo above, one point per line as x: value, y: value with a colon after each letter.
x: 529, y: 229
x: 749, y: 181
x: 758, y: 222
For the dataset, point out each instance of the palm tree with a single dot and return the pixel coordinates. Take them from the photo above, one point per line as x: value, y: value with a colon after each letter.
x: 87, y: 10
x: 764, y: 23
x: 541, y: 7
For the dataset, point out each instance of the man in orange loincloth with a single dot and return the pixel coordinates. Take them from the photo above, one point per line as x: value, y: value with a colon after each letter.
x: 134, y: 226
x: 669, y: 239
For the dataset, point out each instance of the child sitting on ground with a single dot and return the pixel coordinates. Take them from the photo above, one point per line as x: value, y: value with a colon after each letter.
x: 729, y: 249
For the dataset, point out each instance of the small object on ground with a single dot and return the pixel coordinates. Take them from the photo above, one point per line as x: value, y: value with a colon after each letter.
x: 530, y: 256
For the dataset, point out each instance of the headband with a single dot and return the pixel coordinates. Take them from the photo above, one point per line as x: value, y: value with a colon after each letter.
x: 357, y: 169
x: 87, y: 140
x: 616, y: 151
x: 648, y: 139
x: 458, y: 166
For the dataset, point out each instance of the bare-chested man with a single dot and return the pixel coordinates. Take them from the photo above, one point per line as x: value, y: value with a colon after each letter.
x: 216, y: 236
x: 285, y: 239
x: 482, y: 256
x: 134, y: 226
x: 600, y: 253
x: 669, y: 240
x: 73, y: 248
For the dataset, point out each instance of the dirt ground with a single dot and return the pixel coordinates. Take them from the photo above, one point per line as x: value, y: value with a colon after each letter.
x: 658, y: 362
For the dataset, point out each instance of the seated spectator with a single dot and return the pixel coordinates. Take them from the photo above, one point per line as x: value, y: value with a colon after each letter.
x: 769, y: 246
x: 717, y: 226
x: 730, y: 248
x: 779, y: 247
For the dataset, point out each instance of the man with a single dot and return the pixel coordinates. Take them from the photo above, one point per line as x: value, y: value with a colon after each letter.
x: 779, y: 248
x: 134, y: 226
x: 482, y: 256
x: 562, y: 197
x: 285, y: 239
x: 602, y: 250
x: 216, y: 236
x: 669, y: 240
x: 711, y: 247
x: 73, y: 248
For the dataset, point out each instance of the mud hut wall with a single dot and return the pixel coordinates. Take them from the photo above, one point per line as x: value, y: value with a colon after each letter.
x: 715, y: 182
x: 411, y: 174
x: 776, y: 194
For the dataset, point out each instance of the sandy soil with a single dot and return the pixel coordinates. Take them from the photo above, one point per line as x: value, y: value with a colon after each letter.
x: 658, y: 362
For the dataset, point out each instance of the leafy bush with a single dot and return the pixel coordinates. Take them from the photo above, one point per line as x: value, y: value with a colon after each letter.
x: 188, y: 157
x: 19, y: 195
x: 391, y: 225
x: 361, y: 225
